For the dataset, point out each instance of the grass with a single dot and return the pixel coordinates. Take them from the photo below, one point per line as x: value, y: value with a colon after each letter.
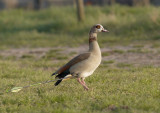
x: 120, y: 88
x: 108, y: 62
x: 129, y: 90
x: 139, y: 51
x: 123, y: 65
x: 54, y: 54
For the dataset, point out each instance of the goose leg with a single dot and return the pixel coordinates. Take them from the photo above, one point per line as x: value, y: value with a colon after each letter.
x: 82, y: 83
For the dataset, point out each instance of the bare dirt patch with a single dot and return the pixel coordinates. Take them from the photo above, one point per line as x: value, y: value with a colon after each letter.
x: 135, y: 55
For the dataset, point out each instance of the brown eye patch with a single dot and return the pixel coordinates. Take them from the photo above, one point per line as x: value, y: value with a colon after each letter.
x: 98, y: 26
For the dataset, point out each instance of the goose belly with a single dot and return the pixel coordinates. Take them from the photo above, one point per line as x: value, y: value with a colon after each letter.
x: 86, y: 74
x: 85, y: 68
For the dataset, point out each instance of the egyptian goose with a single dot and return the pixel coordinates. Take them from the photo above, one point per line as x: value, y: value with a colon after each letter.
x: 84, y: 64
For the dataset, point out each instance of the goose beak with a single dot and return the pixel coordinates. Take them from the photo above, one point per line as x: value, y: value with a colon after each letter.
x: 104, y: 30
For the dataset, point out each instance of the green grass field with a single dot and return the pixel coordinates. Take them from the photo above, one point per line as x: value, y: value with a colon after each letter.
x: 33, y: 44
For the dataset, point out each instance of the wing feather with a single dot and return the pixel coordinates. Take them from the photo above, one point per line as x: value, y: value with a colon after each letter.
x: 75, y: 60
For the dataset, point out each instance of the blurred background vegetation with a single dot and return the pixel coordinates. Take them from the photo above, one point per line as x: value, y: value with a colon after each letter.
x: 54, y: 22
x: 38, y: 4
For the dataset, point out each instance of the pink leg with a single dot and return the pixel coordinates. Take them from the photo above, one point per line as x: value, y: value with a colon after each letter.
x: 82, y: 83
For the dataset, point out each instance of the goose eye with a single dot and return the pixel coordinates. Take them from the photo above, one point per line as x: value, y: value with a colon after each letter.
x: 98, y: 26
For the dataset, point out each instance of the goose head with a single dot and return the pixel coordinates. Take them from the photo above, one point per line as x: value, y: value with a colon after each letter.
x: 98, y: 28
